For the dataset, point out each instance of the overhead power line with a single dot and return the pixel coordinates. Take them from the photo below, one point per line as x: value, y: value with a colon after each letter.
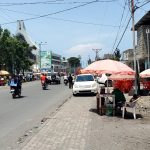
x: 119, y: 24
x: 51, y: 2
x: 148, y: 1
x: 123, y: 33
x: 61, y: 11
x: 31, y: 3
x: 60, y: 19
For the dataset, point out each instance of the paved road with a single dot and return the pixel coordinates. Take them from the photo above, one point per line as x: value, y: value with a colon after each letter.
x: 21, y: 114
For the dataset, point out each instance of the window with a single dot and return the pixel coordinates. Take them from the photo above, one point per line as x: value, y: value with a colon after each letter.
x: 84, y: 78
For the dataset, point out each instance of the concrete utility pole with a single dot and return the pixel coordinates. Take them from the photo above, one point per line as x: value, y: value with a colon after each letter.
x: 147, y: 33
x: 134, y: 50
x: 40, y: 54
x: 96, y: 50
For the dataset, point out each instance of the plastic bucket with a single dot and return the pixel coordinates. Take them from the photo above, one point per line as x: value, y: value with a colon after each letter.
x: 109, y: 110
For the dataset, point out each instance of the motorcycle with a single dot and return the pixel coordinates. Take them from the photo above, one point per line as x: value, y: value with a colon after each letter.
x: 65, y: 81
x: 15, y: 92
x: 44, y: 85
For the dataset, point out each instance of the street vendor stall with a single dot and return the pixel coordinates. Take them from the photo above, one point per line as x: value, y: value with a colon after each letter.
x: 145, y: 79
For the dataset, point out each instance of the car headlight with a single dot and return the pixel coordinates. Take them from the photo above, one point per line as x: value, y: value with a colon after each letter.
x: 75, y: 86
x: 94, y: 85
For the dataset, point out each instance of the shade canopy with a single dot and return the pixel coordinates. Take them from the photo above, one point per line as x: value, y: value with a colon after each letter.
x: 145, y: 73
x: 122, y: 77
x: 108, y: 66
x: 3, y: 72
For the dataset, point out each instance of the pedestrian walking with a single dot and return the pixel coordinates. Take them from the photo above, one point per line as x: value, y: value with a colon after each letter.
x: 70, y: 80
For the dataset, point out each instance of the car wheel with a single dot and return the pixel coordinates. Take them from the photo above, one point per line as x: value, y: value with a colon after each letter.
x: 74, y: 94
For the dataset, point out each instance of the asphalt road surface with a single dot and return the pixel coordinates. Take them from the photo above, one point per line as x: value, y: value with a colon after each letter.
x: 17, y: 116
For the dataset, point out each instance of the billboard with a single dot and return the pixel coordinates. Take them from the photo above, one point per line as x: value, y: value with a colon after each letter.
x: 46, y: 59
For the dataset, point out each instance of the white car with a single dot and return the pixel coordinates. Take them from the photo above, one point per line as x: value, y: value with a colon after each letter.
x: 103, y: 80
x: 53, y: 78
x: 85, y: 83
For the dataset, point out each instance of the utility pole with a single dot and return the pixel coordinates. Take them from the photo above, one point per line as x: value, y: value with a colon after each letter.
x: 96, y: 50
x: 134, y: 50
x: 147, y: 33
x: 40, y: 54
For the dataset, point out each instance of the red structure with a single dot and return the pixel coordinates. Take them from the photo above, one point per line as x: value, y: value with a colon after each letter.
x: 123, y: 85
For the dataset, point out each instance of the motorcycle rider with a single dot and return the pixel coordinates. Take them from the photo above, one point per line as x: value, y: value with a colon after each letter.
x: 43, y: 79
x: 16, y: 83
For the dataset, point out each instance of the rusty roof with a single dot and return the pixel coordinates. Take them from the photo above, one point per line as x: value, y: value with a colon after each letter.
x: 145, y: 20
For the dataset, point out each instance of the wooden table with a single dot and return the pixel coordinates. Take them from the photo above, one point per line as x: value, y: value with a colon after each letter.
x: 101, y: 108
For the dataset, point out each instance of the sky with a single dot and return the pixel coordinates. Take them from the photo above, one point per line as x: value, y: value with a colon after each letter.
x: 75, y: 27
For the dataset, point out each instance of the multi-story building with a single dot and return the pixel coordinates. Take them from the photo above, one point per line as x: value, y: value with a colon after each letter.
x: 52, y: 62
x: 108, y: 56
x: 142, y: 45
x: 55, y: 62
x: 127, y: 57
x: 142, y: 41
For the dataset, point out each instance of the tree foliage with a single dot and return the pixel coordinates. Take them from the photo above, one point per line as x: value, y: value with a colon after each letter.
x: 117, y: 54
x: 74, y: 62
x: 15, y: 53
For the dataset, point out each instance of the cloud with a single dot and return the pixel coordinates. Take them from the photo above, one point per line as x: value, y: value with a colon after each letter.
x: 84, y: 49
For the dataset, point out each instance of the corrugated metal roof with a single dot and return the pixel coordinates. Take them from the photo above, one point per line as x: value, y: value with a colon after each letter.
x: 145, y: 20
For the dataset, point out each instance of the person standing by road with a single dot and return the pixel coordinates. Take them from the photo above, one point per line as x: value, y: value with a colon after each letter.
x: 70, y: 79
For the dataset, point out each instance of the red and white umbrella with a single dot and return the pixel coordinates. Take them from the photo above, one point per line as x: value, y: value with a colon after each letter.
x: 122, y: 77
x: 108, y: 66
x: 145, y: 73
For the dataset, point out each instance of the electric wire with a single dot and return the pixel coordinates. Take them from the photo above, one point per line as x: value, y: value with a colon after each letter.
x: 3, y: 16
x: 129, y: 22
x: 51, y: 2
x: 46, y: 15
x: 61, y: 11
x: 61, y: 19
x: 123, y: 32
x: 148, y: 1
x: 119, y: 25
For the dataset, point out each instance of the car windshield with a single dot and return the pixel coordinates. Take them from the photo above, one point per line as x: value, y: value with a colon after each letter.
x: 84, y: 78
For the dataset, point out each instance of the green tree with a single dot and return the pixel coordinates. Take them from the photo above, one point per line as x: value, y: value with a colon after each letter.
x: 117, y: 54
x: 4, y: 48
x: 24, y: 55
x: 74, y: 62
x: 16, y: 54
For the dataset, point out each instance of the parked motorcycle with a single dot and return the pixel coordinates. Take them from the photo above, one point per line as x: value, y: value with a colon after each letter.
x: 15, y: 91
x: 65, y: 81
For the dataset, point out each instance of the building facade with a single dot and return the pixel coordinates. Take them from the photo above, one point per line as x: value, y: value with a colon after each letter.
x: 142, y: 54
x: 55, y: 62
x: 52, y: 62
x: 142, y: 47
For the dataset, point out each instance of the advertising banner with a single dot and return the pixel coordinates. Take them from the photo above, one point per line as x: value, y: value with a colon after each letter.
x: 46, y: 59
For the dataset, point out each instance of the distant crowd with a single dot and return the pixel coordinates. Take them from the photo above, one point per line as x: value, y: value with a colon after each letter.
x: 4, y: 80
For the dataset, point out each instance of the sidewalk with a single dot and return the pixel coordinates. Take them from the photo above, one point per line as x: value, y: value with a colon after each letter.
x: 76, y: 126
